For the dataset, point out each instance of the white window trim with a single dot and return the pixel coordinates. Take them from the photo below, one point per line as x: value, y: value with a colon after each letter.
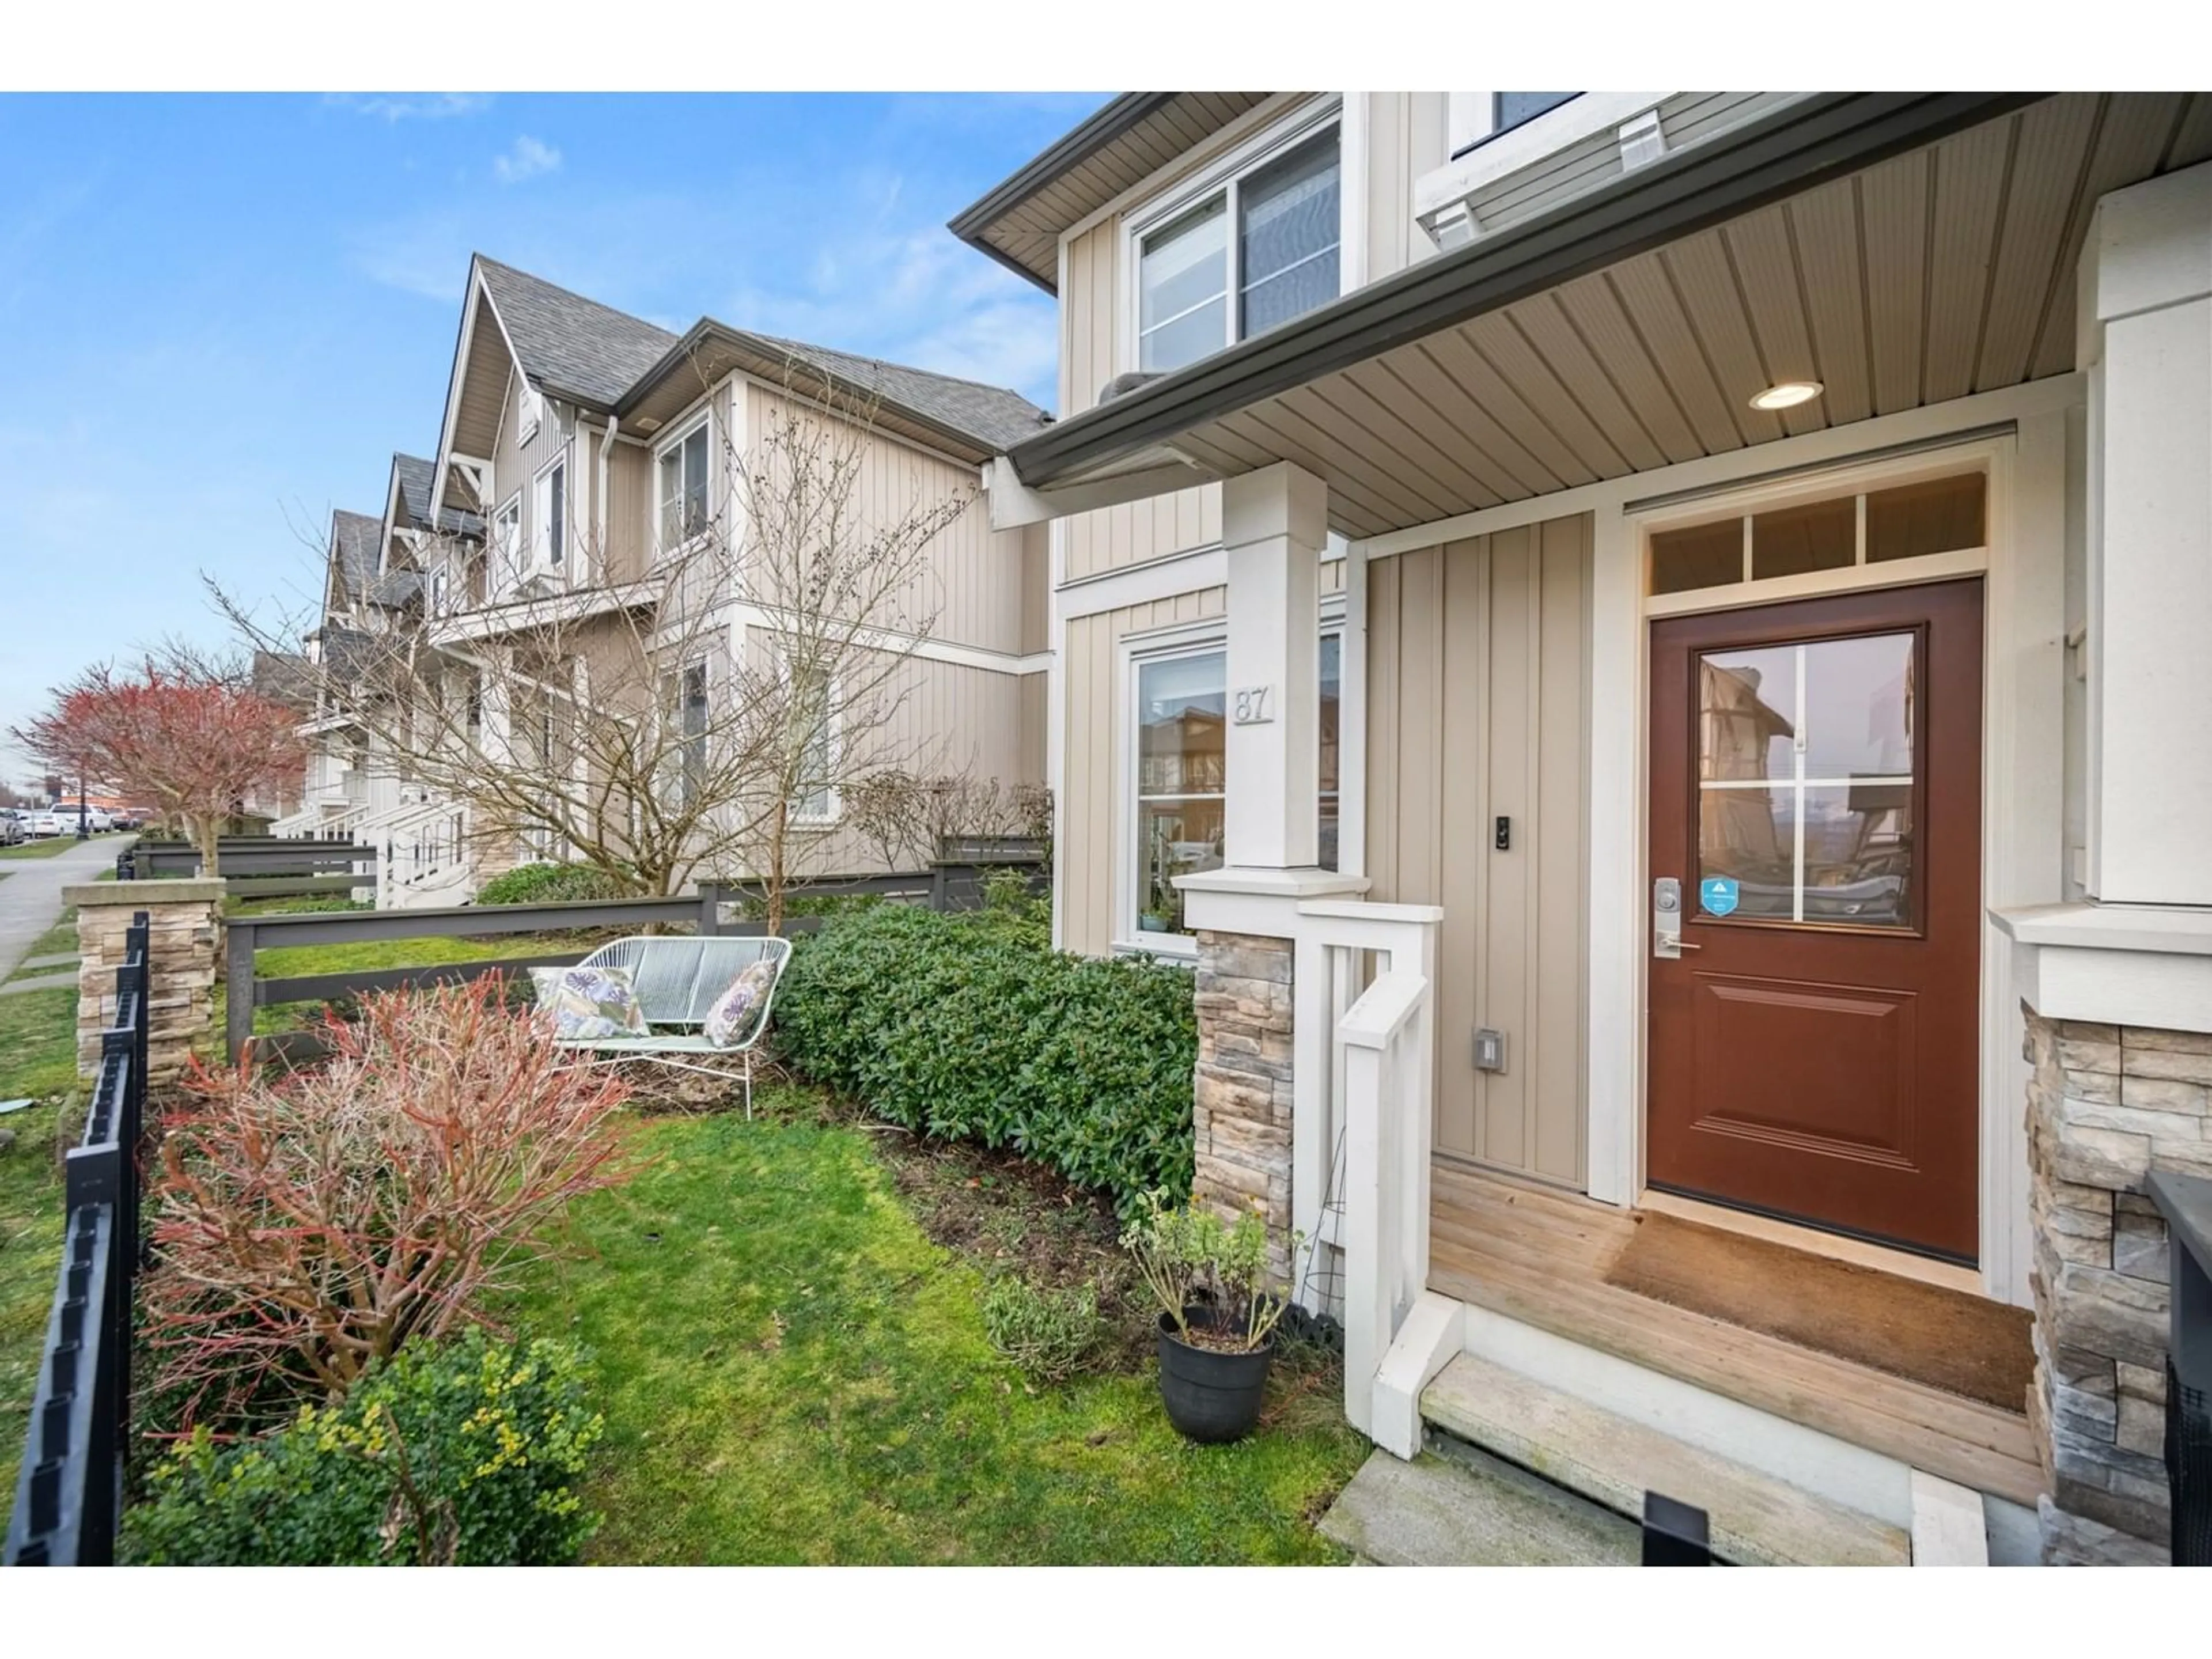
x: 1493, y: 159
x: 540, y: 561
x: 1277, y: 139
x: 678, y: 437
x: 835, y: 813
x: 1177, y: 639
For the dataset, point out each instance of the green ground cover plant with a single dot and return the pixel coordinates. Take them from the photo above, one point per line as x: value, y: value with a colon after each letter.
x: 467, y: 1452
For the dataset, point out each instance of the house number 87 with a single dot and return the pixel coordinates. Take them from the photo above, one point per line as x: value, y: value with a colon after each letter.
x: 1253, y: 705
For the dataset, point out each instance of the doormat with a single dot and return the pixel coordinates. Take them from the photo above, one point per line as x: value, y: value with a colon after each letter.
x: 1943, y: 1339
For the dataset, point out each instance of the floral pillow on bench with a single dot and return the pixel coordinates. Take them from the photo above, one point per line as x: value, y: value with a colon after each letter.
x: 587, y: 1003
x: 737, y: 1011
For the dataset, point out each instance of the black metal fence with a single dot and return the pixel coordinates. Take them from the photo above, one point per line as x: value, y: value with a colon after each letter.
x: 69, y: 1491
x: 945, y: 886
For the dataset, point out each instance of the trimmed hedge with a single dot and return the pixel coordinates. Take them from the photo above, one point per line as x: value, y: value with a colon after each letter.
x: 551, y: 883
x: 973, y: 1027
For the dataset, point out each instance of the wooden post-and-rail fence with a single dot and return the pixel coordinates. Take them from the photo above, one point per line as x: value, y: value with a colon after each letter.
x: 944, y: 886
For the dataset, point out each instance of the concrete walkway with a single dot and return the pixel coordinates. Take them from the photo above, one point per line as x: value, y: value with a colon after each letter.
x: 31, y: 898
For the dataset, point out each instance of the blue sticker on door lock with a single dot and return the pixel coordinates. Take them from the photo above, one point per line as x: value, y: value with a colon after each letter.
x: 1717, y: 895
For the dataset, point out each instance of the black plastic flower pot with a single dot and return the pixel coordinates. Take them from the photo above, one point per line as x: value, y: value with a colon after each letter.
x: 1211, y: 1397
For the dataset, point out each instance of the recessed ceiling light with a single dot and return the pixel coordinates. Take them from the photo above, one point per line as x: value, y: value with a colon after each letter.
x: 1788, y: 395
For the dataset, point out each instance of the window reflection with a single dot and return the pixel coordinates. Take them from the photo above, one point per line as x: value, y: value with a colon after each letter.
x: 1805, y: 779
x: 1182, y: 765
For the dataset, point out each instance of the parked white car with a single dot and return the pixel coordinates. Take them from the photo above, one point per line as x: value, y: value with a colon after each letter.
x: 12, y: 827
x: 46, y: 822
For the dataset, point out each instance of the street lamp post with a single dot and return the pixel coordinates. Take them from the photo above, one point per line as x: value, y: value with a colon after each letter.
x: 83, y: 828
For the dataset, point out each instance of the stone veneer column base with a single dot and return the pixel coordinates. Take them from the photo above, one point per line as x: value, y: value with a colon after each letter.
x: 1242, y: 1097
x: 2106, y: 1105
x: 184, y: 922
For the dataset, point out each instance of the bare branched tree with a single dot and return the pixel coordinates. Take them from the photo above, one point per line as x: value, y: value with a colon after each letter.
x: 706, y: 719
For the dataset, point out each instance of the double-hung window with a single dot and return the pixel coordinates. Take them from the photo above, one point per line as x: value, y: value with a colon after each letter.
x: 683, y: 486
x: 1250, y: 255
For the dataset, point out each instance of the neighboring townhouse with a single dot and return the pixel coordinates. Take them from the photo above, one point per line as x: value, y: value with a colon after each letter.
x: 580, y: 445
x: 1648, y: 646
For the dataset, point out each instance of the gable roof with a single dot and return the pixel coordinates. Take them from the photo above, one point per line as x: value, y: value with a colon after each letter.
x: 412, y: 478
x: 356, y: 543
x: 574, y: 348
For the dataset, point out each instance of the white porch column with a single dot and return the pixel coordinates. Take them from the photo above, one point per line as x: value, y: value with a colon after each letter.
x: 2146, y: 342
x: 1274, y: 523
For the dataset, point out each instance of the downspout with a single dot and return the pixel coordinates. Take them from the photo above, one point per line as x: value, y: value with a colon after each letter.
x: 606, y: 449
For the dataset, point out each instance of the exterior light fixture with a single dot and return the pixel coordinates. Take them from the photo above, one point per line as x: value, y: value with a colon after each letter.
x: 1787, y: 395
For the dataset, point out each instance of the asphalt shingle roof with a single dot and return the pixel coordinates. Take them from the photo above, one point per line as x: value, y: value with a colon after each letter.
x: 357, y: 542
x: 416, y: 476
x: 569, y: 344
x: 592, y: 351
x: 990, y: 414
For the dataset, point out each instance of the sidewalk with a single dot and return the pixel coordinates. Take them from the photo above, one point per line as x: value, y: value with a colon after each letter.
x: 31, y: 897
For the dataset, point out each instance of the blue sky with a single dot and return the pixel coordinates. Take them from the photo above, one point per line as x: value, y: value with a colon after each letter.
x: 219, y: 316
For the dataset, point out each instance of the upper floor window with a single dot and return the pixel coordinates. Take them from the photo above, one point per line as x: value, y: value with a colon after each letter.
x: 1253, y: 253
x: 552, y: 541
x: 507, y: 535
x: 1479, y: 117
x: 683, y: 486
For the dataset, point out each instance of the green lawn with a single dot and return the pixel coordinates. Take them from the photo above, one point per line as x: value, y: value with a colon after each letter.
x: 57, y: 938
x: 792, y: 1372
x: 50, y: 846
x: 38, y: 1058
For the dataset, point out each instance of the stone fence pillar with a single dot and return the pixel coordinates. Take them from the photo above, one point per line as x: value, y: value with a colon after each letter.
x: 184, y: 922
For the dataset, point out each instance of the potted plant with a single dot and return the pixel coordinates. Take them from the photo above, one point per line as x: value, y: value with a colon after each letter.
x: 1217, y: 1322
x: 1159, y: 915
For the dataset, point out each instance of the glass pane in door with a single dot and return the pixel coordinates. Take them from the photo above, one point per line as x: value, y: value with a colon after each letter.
x: 1806, y: 787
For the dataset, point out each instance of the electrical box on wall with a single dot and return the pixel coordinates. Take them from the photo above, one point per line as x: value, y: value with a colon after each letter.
x: 1489, y: 1050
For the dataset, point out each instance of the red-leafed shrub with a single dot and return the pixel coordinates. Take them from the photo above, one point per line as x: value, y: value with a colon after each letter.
x: 306, y: 1224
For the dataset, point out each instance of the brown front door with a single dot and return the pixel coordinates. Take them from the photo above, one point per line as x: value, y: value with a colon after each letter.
x: 1816, y: 785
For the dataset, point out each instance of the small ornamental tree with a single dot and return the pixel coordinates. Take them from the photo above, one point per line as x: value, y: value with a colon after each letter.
x: 306, y: 1224
x: 183, y: 731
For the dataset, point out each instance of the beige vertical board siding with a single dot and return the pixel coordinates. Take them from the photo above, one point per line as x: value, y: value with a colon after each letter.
x: 975, y: 590
x: 1093, y: 314
x: 515, y: 465
x: 1035, y: 564
x: 1406, y: 137
x: 1034, y: 704
x: 1097, y: 713
x: 1479, y: 657
x: 629, y: 512
x: 950, y: 718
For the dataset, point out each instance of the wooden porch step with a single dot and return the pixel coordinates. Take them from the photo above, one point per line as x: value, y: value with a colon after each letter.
x: 1539, y: 1256
x: 1756, y: 1519
x: 1470, y: 1511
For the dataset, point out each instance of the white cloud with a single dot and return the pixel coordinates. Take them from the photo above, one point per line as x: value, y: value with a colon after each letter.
x: 527, y: 159
x: 425, y: 107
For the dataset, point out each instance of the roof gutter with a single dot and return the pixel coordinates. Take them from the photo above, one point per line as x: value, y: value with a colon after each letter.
x: 1792, y: 151
x: 967, y: 445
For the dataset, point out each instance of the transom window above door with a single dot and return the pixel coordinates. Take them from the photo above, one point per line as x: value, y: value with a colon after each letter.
x: 1252, y: 254
x: 1913, y: 520
x: 1805, y: 784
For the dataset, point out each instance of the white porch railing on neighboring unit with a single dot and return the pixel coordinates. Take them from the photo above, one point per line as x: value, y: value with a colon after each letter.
x: 425, y: 854
x: 1363, y: 977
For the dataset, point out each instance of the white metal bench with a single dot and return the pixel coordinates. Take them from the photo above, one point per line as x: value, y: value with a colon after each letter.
x: 677, y: 979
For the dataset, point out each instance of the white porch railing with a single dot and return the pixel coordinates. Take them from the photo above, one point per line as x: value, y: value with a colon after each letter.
x: 1363, y: 977
x: 425, y: 854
